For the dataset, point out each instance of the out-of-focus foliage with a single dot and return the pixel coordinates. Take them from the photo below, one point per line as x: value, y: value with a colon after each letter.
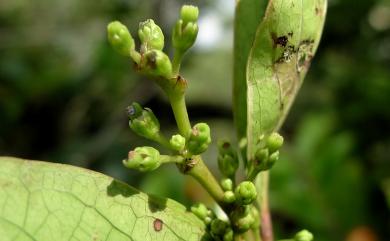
x: 63, y: 93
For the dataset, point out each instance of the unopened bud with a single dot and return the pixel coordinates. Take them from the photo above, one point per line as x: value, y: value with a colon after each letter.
x: 229, y: 197
x: 218, y: 227
x: 120, y: 38
x: 143, y: 159
x: 199, y: 139
x: 143, y: 122
x: 274, y: 142
x: 200, y: 210
x: 157, y: 63
x: 245, y: 193
x: 186, y: 29
x: 151, y: 35
x: 177, y: 142
x: 227, y: 184
x: 189, y: 13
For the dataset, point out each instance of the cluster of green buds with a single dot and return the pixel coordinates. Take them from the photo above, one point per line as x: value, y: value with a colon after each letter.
x: 186, y: 29
x: 150, y: 59
x: 244, y: 218
x: 218, y: 228
x: 227, y: 159
x: 266, y: 155
x: 243, y: 215
x: 199, y: 139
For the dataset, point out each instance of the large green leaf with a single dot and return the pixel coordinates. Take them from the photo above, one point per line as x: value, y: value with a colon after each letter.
x: 248, y: 15
x: 284, y: 46
x: 47, y: 202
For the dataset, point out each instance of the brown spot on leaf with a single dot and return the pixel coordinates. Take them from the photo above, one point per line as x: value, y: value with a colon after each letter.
x: 157, y: 225
x: 281, y: 40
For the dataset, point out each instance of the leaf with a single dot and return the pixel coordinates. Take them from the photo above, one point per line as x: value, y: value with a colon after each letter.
x: 46, y: 202
x: 284, y: 46
x: 248, y: 15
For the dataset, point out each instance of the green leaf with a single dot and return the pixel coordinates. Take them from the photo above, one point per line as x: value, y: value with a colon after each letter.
x: 248, y: 14
x: 46, y: 202
x: 284, y: 46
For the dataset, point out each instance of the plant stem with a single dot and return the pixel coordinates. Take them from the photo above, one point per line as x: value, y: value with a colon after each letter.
x: 160, y: 139
x: 265, y: 215
x: 177, y: 57
x: 203, y: 175
x: 179, y: 108
x: 171, y: 159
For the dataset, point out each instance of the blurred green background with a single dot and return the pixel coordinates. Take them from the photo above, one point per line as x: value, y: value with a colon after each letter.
x: 63, y: 94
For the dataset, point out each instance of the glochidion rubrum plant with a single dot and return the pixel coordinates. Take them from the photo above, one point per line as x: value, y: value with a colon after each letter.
x: 274, y: 43
x: 277, y: 51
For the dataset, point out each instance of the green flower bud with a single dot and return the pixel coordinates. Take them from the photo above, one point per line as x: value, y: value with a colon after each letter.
x: 227, y: 165
x: 189, y: 13
x: 228, y: 236
x: 218, y: 227
x: 199, y: 139
x: 272, y: 159
x: 186, y: 30
x: 156, y: 63
x: 242, y: 222
x: 261, y: 155
x: 120, y: 38
x: 177, y: 142
x: 200, y: 210
x: 143, y: 159
x: 227, y: 184
x: 303, y: 235
x: 151, y: 36
x: 245, y: 192
x: 184, y: 36
x: 225, y: 148
x: 143, y: 122
x: 208, y: 220
x: 229, y: 197
x: 274, y: 142
x: 227, y: 158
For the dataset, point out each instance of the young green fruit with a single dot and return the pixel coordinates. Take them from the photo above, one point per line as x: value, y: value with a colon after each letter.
x: 245, y: 193
x: 199, y: 138
x: 120, y: 38
x: 151, y: 36
x: 143, y: 159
